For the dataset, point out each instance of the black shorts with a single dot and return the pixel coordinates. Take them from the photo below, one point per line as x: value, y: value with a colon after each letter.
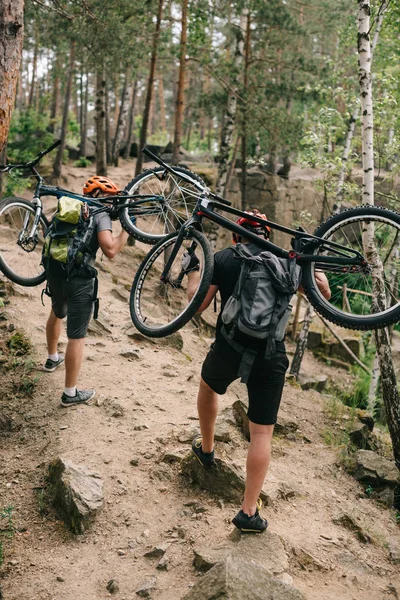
x: 265, y: 384
x: 73, y: 299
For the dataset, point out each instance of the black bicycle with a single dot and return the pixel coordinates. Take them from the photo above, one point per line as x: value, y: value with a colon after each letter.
x: 358, y: 250
x: 168, y: 203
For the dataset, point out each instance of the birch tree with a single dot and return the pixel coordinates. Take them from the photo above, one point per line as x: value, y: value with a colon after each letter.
x: 181, y: 84
x: 11, y: 38
x: 390, y: 392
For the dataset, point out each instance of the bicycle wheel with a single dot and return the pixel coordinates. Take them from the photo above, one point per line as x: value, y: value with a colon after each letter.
x: 375, y: 233
x: 159, y: 308
x: 154, y: 219
x: 20, y: 254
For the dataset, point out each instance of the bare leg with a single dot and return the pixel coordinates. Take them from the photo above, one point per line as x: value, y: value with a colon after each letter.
x: 258, y: 458
x: 207, y: 406
x: 73, y: 361
x: 53, y: 331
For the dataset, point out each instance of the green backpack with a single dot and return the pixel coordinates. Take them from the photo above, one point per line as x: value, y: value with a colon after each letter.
x: 67, y: 240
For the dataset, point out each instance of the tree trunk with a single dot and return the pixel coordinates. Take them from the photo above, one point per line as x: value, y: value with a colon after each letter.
x: 149, y: 91
x: 301, y: 342
x: 32, y: 89
x: 122, y: 118
x: 181, y: 85
x: 100, y: 119
x: 57, y: 165
x: 84, y: 114
x: 11, y: 39
x: 55, y: 94
x: 244, y: 114
x: 108, y: 126
x: 129, y: 135
x: 161, y: 97
x: 390, y: 393
x: 229, y: 119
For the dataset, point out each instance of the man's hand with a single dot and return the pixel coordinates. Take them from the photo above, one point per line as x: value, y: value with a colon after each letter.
x: 322, y: 283
x: 190, y: 262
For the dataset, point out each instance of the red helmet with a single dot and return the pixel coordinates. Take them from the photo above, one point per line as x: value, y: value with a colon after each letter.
x: 105, y: 184
x: 251, y: 225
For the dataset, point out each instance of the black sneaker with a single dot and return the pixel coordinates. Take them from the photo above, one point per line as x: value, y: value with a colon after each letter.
x: 52, y: 365
x: 205, y: 458
x: 81, y: 397
x: 246, y: 524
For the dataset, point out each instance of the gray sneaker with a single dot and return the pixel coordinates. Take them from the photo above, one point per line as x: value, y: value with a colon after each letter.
x: 81, y: 397
x: 52, y: 365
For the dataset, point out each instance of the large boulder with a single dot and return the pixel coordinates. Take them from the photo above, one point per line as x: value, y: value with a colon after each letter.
x: 77, y: 493
x: 241, y: 579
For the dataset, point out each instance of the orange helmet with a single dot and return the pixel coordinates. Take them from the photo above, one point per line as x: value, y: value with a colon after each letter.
x: 251, y: 225
x: 105, y: 184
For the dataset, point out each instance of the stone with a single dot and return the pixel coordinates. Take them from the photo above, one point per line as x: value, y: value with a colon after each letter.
x: 172, y: 457
x: 241, y: 579
x: 130, y: 353
x: 373, y: 469
x: 352, y: 523
x: 98, y: 327
x: 146, y: 587
x: 157, y: 551
x: 314, y: 339
x: 267, y: 551
x: 222, y: 431
x: 224, y: 480
x: 285, y: 425
x: 307, y: 561
x: 317, y: 382
x: 113, y: 586
x: 134, y: 461
x: 394, y: 552
x: 360, y: 436
x: 174, y: 340
x: 77, y: 493
x: 366, y: 418
x: 120, y: 294
x: 339, y: 351
x: 239, y: 409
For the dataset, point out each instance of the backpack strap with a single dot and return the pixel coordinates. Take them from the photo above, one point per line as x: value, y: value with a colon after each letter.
x: 248, y: 356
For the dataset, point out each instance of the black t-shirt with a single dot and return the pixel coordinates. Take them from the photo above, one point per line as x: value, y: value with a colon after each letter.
x: 227, y: 267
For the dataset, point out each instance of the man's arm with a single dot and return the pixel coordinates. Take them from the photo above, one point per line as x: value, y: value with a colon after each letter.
x: 193, y: 282
x: 110, y: 244
x: 322, y: 283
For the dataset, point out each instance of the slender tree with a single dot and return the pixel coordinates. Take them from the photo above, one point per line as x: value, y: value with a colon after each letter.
x: 11, y: 38
x: 100, y: 119
x: 57, y: 166
x: 181, y: 84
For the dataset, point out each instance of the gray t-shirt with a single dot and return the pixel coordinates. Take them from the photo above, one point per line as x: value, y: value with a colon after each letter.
x: 102, y: 223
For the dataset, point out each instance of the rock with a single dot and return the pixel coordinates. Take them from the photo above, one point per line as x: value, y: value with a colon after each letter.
x: 145, y: 588
x: 339, y: 351
x: 172, y: 457
x: 314, y: 339
x: 385, y: 496
x: 366, y: 418
x: 394, y: 552
x: 98, y: 327
x: 285, y: 426
x: 120, y: 294
x: 267, y: 551
x: 240, y: 579
x: 239, y: 409
x: 351, y: 522
x: 307, y: 561
x: 113, y: 586
x: 174, y: 340
x: 134, y: 461
x: 361, y: 437
x: 317, y: 382
x: 375, y: 470
x: 129, y: 353
x: 224, y: 480
x: 77, y: 493
x: 157, y: 551
x: 222, y: 431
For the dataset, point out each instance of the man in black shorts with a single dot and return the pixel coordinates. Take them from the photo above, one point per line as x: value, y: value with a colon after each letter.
x: 264, y: 386
x: 74, y: 299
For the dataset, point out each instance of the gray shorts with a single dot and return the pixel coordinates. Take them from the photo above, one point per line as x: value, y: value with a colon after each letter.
x: 73, y: 299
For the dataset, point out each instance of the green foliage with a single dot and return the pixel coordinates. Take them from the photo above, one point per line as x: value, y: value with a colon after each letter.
x: 19, y: 344
x: 83, y: 162
x: 7, y: 528
x: 28, y: 136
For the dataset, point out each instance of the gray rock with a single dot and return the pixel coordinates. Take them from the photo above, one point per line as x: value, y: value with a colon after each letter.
x: 120, y: 294
x: 375, y: 470
x: 267, y: 551
x: 239, y: 409
x: 307, y: 561
x: 77, y: 493
x: 174, y: 340
x: 130, y: 353
x: 157, y: 551
x: 113, y: 586
x: 366, y: 418
x: 394, y: 552
x: 224, y: 480
x: 353, y: 523
x: 241, y: 579
x: 172, y: 457
x: 146, y: 587
x: 98, y: 327
x: 360, y: 436
x: 314, y: 339
x: 285, y: 425
x: 317, y: 382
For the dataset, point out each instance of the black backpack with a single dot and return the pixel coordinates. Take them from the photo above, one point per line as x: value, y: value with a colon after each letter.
x: 259, y: 307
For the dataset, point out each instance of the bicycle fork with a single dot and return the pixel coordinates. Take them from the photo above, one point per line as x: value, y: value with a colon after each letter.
x: 23, y: 238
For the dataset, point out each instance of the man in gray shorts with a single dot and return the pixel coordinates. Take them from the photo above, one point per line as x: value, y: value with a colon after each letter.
x: 74, y: 299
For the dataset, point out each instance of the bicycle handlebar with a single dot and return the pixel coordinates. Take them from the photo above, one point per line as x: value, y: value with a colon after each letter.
x: 159, y: 160
x: 32, y: 163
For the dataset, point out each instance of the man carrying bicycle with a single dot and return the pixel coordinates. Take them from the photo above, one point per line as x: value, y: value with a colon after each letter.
x: 73, y: 298
x: 220, y: 368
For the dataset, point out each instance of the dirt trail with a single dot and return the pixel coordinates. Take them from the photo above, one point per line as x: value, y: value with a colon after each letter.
x: 143, y: 406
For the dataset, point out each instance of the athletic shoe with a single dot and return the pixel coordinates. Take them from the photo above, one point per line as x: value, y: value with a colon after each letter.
x: 246, y: 524
x: 52, y: 365
x: 205, y: 458
x: 81, y: 397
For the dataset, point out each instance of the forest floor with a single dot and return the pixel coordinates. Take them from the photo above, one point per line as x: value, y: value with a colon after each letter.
x: 143, y: 407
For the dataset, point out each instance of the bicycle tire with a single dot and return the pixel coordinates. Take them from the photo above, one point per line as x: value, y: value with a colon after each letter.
x: 20, y: 262
x: 180, y: 200
x: 356, y: 309
x: 161, y: 308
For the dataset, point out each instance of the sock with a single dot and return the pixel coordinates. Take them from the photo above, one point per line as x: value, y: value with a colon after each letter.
x: 70, y: 391
x: 54, y: 357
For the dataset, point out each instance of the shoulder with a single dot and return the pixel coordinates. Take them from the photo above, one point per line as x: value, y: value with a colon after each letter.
x: 103, y: 222
x: 224, y: 255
